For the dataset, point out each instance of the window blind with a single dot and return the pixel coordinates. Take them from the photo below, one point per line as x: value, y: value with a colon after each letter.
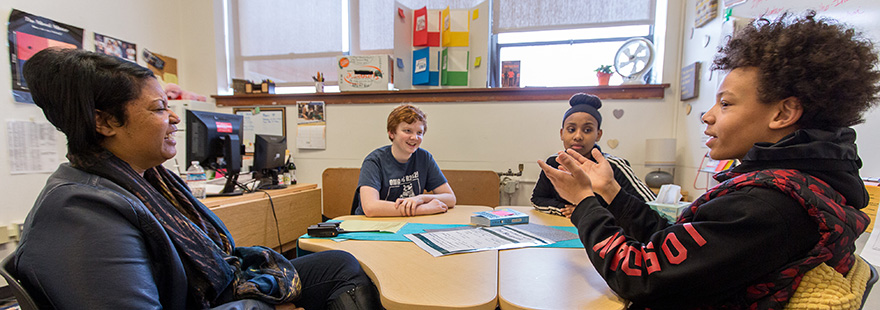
x: 532, y: 15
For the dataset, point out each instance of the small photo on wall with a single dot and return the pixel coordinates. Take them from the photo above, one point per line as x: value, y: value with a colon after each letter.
x: 115, y: 47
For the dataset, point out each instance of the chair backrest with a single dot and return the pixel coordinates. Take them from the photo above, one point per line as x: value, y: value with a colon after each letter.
x: 24, y: 299
x: 471, y: 187
x: 337, y: 188
x: 474, y: 187
x: 873, y: 279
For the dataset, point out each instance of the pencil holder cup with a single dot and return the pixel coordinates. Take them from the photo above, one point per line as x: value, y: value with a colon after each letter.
x: 319, y: 87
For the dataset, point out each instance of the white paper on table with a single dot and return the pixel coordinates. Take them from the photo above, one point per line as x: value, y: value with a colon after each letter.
x: 478, y: 239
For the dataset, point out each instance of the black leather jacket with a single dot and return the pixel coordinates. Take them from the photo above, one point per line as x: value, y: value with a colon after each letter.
x: 90, y: 244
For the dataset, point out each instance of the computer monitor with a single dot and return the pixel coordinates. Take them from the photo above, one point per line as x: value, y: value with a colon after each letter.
x: 269, y: 159
x: 214, y: 140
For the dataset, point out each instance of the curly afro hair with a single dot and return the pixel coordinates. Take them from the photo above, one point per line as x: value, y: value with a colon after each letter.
x: 830, y: 68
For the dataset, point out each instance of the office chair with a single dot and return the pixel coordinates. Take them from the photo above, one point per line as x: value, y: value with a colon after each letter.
x: 873, y: 279
x: 22, y: 296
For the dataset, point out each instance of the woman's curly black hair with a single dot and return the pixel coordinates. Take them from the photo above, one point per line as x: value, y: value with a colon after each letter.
x: 831, y: 68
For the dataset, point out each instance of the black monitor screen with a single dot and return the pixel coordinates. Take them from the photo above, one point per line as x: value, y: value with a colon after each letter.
x: 269, y: 152
x: 211, y: 136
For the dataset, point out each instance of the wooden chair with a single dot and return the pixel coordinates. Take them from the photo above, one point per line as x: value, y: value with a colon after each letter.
x: 471, y: 187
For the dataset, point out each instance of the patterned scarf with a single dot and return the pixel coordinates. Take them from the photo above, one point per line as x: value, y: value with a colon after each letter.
x: 839, y: 226
x: 217, y: 272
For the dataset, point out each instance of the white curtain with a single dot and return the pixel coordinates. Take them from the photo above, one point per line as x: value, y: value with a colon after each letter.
x: 531, y: 15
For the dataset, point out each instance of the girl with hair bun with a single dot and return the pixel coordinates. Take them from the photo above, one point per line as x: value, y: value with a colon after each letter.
x: 581, y: 131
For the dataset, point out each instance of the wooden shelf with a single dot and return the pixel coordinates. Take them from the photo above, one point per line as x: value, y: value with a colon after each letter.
x: 653, y: 91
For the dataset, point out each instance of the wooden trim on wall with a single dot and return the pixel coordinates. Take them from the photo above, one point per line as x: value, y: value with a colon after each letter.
x: 653, y: 91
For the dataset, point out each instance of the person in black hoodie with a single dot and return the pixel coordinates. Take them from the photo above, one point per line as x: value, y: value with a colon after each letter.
x: 794, y: 85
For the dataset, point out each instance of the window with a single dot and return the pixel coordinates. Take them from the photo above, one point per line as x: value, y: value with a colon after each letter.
x: 289, y: 41
x: 286, y: 41
x: 576, y: 53
x: 580, y: 35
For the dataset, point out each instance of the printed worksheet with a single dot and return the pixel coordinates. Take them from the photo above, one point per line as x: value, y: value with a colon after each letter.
x: 441, y: 243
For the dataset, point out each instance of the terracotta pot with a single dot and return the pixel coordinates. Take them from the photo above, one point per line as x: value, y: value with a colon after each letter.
x: 603, y: 78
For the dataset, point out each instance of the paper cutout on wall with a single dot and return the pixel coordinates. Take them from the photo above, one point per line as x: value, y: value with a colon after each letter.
x: 456, y: 26
x: 420, y: 66
x: 476, y: 14
x: 434, y: 66
x: 454, y: 66
x: 434, y: 28
x: 420, y: 27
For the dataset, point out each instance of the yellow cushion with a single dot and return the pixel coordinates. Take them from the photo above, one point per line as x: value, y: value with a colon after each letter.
x: 824, y: 288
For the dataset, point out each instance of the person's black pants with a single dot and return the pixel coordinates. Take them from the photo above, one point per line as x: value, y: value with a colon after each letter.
x: 326, y: 275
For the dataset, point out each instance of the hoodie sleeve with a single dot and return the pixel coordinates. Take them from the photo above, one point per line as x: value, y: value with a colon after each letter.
x: 733, y: 241
x: 628, y: 180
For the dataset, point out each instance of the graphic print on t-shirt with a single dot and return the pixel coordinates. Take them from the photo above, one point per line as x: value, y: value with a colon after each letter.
x: 404, y: 187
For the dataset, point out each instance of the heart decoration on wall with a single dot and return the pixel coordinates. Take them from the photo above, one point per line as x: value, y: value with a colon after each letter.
x: 618, y: 113
x: 687, y: 109
x: 612, y: 143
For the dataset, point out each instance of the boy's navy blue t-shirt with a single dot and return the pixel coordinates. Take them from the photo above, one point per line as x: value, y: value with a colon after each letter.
x: 399, y: 180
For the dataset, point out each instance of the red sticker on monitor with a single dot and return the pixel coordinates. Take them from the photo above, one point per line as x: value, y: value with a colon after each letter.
x: 224, y: 127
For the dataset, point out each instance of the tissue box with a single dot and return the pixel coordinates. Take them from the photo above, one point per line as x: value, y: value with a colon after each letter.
x: 368, y: 72
x: 669, y: 211
x: 499, y: 217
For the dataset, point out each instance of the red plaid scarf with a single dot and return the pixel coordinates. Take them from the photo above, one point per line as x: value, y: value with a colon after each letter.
x: 839, y: 226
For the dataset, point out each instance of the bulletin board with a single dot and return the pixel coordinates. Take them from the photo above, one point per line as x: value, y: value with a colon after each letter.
x: 265, y: 121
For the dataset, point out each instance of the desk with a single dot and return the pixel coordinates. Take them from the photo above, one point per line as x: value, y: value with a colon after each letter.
x: 551, y: 278
x: 410, y: 278
x: 249, y: 217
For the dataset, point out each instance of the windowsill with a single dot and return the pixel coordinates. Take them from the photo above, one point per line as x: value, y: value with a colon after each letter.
x: 652, y: 91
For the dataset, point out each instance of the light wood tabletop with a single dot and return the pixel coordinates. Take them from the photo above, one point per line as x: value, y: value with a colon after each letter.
x: 410, y: 278
x: 551, y: 278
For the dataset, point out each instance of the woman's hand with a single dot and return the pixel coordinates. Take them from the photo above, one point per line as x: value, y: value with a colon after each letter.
x: 567, y: 210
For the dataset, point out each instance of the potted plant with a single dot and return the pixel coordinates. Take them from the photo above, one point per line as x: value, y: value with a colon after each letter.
x: 604, y: 74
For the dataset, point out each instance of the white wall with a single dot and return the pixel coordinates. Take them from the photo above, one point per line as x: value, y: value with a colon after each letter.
x: 480, y: 136
x: 180, y: 29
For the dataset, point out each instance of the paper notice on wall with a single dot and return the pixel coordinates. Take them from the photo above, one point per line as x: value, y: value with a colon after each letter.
x: 311, y: 137
x: 33, y: 147
x: 311, y: 125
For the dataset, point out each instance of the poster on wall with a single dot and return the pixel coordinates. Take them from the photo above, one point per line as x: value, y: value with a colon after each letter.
x: 29, y: 34
x: 164, y: 67
x: 115, y: 47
